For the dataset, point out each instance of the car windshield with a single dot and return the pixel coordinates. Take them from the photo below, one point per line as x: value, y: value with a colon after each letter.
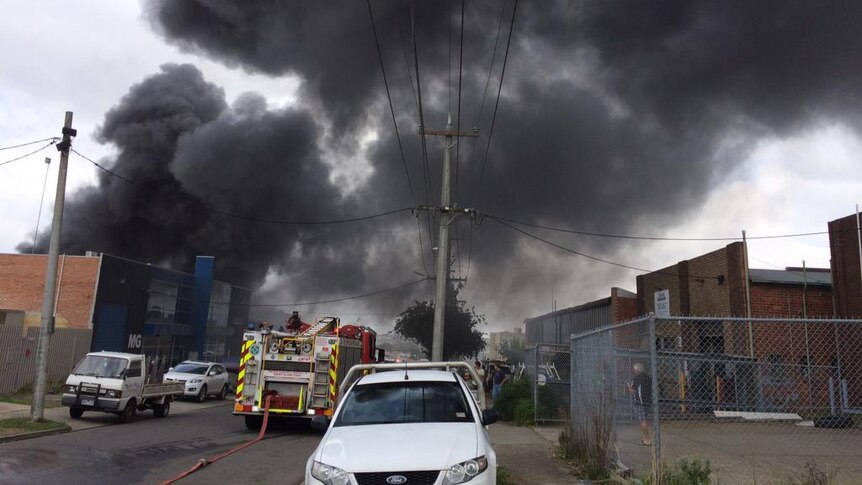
x: 101, y: 366
x: 191, y: 369
x: 405, y: 402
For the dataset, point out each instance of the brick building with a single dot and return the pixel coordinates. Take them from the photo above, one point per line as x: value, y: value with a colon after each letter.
x: 130, y: 306
x: 712, y: 286
x: 847, y: 278
x: 844, y: 248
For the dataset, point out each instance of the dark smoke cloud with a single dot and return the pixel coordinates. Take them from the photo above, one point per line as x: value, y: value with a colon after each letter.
x: 616, y: 116
x: 189, y: 154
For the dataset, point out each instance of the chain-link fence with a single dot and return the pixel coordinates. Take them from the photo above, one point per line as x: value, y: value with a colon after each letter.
x: 548, y: 369
x: 761, y: 399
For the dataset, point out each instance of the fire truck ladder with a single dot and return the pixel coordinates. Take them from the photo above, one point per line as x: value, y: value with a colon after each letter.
x: 321, y: 324
x: 320, y: 380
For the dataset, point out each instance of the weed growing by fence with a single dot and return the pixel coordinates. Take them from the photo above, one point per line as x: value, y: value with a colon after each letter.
x: 683, y: 472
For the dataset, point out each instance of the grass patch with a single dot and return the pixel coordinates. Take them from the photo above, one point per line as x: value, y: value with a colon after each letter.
x: 23, y: 425
x: 25, y: 395
x: 504, y: 477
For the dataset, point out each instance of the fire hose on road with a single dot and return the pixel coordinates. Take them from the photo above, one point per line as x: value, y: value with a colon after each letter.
x: 207, y: 461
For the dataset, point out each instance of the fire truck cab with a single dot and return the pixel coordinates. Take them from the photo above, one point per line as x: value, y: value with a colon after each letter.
x: 300, y: 371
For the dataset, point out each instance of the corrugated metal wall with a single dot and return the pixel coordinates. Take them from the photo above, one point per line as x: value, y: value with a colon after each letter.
x: 18, y: 352
x: 558, y: 327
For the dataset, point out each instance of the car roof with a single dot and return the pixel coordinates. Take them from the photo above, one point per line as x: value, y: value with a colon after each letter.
x: 397, y: 375
x: 195, y: 362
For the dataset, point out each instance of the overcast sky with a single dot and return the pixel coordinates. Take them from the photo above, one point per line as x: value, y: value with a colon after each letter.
x: 85, y: 56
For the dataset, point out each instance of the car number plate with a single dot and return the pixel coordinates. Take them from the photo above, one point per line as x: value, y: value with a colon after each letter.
x: 88, y: 402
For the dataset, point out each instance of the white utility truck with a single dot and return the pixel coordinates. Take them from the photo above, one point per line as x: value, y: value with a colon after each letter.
x: 115, y: 382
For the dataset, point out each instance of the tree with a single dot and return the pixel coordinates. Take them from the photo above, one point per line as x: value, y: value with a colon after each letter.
x: 460, y: 337
x: 512, y: 350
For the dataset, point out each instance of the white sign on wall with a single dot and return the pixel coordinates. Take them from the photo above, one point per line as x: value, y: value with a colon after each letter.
x: 662, y: 303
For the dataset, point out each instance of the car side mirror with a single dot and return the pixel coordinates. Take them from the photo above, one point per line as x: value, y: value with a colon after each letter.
x: 211, y: 373
x: 170, y: 369
x: 489, y: 416
x: 320, y: 423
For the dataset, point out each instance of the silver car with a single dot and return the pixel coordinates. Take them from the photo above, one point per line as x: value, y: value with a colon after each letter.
x: 201, y: 379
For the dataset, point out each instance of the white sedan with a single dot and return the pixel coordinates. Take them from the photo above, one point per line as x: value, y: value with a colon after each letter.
x: 201, y: 379
x: 405, y: 427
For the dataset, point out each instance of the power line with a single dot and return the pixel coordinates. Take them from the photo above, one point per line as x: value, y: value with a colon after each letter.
x: 429, y: 183
x: 491, y: 66
x: 251, y: 218
x: 28, y: 154
x: 654, y: 238
x: 589, y: 256
x: 364, y: 295
x: 569, y: 250
x: 41, y: 203
x: 53, y: 138
x: 391, y: 108
x: 497, y: 102
x: 429, y: 187
x: 460, y: 78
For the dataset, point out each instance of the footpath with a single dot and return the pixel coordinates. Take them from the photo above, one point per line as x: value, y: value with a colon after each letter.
x: 56, y: 412
x: 527, y: 454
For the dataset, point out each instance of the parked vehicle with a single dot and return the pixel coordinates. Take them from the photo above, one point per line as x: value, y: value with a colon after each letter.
x: 201, y: 379
x: 426, y: 428
x: 300, y: 370
x: 115, y: 382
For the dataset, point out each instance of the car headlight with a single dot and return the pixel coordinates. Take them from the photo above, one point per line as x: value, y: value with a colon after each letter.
x: 70, y: 389
x: 196, y: 381
x: 328, y: 474
x: 465, y: 471
x: 113, y: 394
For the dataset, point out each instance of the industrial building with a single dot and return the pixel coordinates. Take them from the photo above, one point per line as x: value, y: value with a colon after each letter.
x: 106, y: 302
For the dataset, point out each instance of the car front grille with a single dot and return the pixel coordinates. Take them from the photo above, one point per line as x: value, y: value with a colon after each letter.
x: 413, y: 478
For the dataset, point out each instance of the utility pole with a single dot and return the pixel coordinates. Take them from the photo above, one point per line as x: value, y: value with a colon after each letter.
x: 37, y: 408
x: 442, y: 270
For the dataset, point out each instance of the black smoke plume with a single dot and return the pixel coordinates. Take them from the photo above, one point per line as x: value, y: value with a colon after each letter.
x: 616, y: 116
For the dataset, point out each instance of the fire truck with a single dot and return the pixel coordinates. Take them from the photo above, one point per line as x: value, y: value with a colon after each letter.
x: 301, y: 371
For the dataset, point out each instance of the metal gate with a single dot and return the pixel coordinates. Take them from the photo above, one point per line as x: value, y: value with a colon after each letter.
x: 548, y: 368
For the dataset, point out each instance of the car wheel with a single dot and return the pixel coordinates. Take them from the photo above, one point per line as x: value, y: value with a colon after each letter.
x: 223, y: 394
x: 76, y: 413
x: 162, y: 410
x: 202, y: 396
x: 128, y: 412
x: 253, y: 423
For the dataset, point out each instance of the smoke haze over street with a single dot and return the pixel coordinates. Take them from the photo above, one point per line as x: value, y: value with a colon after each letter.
x: 614, y: 117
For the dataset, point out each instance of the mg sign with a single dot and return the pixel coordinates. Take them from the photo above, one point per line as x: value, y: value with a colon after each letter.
x: 135, y: 341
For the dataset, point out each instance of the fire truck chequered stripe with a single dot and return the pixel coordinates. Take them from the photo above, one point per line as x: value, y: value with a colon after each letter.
x: 244, y: 358
x: 333, y: 367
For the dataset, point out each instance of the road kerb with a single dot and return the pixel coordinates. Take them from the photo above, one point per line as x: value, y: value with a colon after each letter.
x: 34, y: 434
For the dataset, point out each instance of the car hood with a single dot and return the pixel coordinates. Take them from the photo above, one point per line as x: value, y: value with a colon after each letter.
x: 399, y: 447
x: 183, y: 376
x: 105, y: 382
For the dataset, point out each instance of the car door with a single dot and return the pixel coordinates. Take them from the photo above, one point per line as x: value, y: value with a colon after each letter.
x: 134, y: 380
x: 222, y: 375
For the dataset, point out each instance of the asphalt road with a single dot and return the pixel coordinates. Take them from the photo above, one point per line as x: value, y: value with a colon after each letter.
x: 151, y: 450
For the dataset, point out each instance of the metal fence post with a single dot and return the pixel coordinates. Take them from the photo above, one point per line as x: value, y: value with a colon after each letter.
x: 572, y: 372
x: 613, y: 397
x: 653, y: 352
x: 536, y: 387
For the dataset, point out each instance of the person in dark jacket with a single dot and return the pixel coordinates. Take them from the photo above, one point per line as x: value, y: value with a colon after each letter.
x: 294, y: 323
x: 640, y: 388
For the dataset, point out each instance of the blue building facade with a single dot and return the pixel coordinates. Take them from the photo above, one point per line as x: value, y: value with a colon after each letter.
x: 161, y: 312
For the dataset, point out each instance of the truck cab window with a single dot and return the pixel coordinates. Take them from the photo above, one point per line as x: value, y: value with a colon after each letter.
x: 134, y: 369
